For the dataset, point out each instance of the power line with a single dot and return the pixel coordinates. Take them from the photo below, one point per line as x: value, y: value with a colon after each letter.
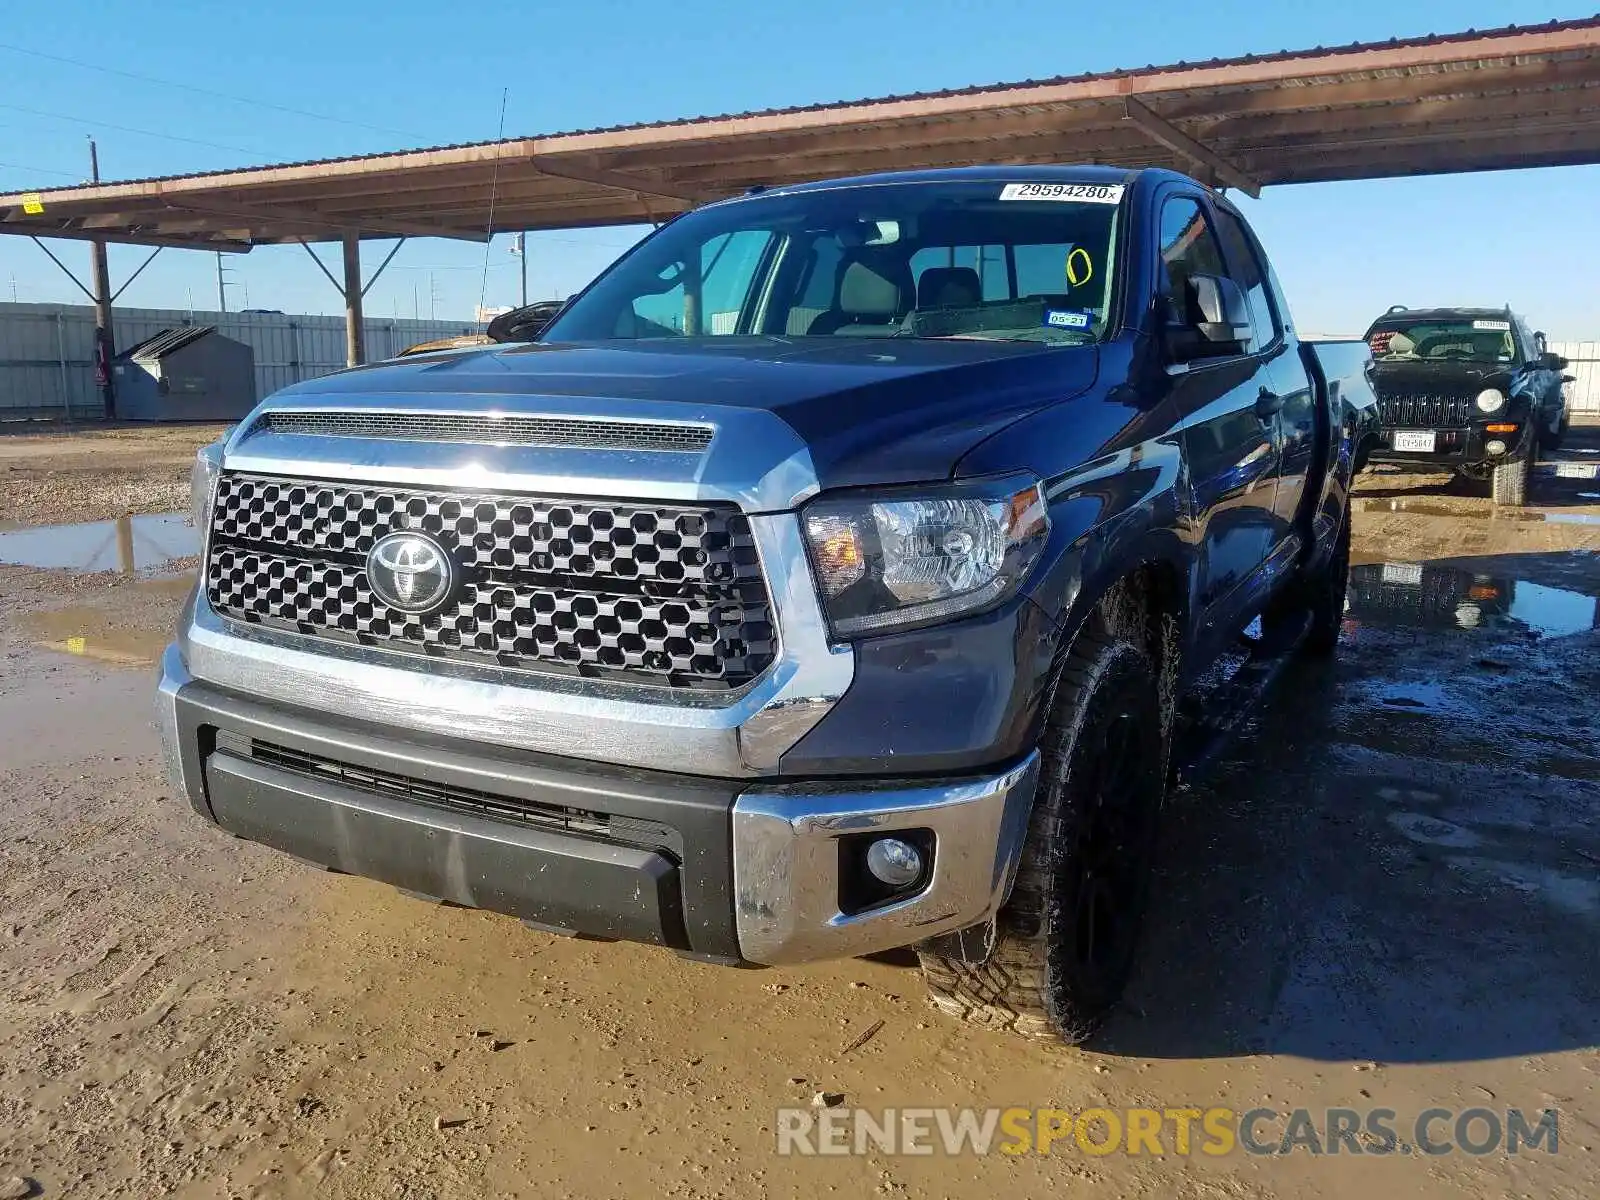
x: 99, y: 124
x: 41, y: 170
x: 200, y: 91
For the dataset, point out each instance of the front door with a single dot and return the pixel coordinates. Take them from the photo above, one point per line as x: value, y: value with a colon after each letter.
x: 1229, y: 420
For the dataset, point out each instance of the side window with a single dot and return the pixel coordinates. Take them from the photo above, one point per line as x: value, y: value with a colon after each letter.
x: 1188, y: 248
x: 988, y: 261
x: 815, y: 286
x: 1249, y: 275
x: 727, y: 265
x: 656, y: 314
x: 1042, y: 270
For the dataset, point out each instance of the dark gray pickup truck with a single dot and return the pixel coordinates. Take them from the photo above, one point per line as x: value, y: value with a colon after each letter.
x: 822, y: 582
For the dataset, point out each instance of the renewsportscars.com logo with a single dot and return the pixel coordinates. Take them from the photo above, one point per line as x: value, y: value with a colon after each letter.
x: 1213, y: 1132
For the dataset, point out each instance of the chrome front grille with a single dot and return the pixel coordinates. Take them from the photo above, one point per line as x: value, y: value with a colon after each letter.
x: 1425, y: 410
x: 661, y: 594
x: 491, y: 429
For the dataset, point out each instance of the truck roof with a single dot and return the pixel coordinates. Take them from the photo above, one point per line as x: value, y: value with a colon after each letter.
x: 1064, y: 172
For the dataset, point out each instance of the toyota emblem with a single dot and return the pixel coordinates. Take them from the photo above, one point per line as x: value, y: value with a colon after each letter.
x: 411, y: 572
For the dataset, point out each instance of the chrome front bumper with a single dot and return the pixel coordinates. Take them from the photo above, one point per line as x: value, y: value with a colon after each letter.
x: 785, y: 867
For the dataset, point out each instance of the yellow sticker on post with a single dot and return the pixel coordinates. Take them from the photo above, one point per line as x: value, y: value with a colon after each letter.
x: 32, y: 203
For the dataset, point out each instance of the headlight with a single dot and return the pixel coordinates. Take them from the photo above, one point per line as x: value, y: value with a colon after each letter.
x: 888, y: 560
x: 203, y: 484
x: 1491, y: 400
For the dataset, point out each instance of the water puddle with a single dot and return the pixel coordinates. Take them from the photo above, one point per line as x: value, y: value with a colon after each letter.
x: 1433, y: 596
x: 1424, y: 508
x: 1569, y: 470
x: 88, y: 632
x: 128, y: 544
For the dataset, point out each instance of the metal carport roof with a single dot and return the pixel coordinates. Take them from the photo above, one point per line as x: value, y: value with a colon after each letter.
x: 1514, y: 97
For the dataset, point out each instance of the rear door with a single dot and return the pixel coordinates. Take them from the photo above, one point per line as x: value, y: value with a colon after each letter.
x: 1230, y: 451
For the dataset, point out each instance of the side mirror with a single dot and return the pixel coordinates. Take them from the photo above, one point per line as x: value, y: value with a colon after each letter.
x: 1217, y: 322
x: 1552, y: 362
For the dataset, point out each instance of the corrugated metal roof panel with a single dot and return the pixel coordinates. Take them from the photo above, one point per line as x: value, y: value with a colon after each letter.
x: 1315, y: 53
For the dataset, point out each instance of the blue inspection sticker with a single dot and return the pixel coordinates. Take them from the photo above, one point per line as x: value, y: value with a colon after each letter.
x: 1067, y: 318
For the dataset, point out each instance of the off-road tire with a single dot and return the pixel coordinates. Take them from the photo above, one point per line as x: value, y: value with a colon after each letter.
x: 1509, y: 484
x: 1036, y: 983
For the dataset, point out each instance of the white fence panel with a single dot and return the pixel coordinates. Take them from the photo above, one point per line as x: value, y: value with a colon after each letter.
x: 1583, y: 396
x: 47, y: 350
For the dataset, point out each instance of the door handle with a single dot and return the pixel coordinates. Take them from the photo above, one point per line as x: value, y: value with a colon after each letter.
x: 1268, y: 404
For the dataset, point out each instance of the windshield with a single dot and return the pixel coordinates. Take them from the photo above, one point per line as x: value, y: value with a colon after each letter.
x: 1004, y: 261
x: 1480, y: 340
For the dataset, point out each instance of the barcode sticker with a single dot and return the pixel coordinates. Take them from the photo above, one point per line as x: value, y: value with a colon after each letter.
x: 1082, y: 193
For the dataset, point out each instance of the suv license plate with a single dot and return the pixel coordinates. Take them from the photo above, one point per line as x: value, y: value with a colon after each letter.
x: 1415, y: 441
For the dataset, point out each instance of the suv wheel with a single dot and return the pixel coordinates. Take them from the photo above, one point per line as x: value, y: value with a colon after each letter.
x: 1067, y: 936
x: 1509, y: 484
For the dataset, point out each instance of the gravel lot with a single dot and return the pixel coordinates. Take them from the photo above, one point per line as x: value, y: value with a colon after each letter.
x: 1387, y: 894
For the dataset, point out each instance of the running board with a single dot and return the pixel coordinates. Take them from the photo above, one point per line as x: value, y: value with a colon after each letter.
x: 1198, y: 743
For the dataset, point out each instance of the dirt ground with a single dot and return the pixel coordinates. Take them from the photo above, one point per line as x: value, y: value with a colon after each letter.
x: 1387, y: 894
x: 50, y: 474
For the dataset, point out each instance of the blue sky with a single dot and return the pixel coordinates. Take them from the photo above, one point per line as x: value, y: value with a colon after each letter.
x: 407, y: 73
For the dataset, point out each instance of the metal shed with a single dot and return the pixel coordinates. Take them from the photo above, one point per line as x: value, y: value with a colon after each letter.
x: 186, y: 373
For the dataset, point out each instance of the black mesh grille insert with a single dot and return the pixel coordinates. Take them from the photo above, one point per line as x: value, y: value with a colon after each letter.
x: 1425, y: 411
x: 439, y: 795
x: 496, y: 430
x: 670, y: 595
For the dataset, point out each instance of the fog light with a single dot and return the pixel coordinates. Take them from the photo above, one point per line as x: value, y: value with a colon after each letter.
x: 894, y: 863
x: 1495, y: 447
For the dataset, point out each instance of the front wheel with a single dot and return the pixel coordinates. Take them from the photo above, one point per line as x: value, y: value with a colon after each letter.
x: 1067, y: 936
x: 1509, y: 484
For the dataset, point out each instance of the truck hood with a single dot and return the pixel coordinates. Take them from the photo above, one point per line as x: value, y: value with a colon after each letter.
x: 867, y: 410
x: 1452, y: 378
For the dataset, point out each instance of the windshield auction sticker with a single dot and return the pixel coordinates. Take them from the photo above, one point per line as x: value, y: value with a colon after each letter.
x: 1082, y: 193
x: 1494, y: 326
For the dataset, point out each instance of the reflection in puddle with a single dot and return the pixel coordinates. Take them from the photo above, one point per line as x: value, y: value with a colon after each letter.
x: 128, y: 544
x: 1424, y: 508
x: 84, y: 631
x: 1430, y: 596
x: 1569, y: 470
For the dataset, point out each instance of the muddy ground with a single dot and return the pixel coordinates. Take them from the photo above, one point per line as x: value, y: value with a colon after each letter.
x: 1386, y: 894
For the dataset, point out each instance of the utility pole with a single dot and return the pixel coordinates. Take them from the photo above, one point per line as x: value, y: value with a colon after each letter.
x: 100, y: 281
x: 222, y: 289
x: 355, y: 330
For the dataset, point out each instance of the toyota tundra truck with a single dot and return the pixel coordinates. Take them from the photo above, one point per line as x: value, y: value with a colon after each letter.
x: 822, y: 582
x: 1472, y: 390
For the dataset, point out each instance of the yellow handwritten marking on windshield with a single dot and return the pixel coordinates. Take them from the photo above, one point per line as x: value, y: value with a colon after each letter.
x: 1079, y: 269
